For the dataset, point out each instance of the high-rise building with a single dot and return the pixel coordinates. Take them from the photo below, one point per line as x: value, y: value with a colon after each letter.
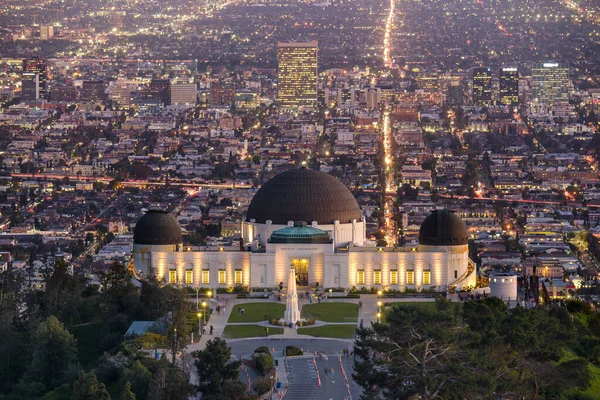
x: 550, y: 83
x: 46, y: 32
x: 297, y: 74
x: 453, y: 91
x: 482, y: 86
x: 34, y: 80
x: 509, y: 86
x: 184, y: 93
x: 93, y: 91
x: 220, y: 94
x: 161, y: 89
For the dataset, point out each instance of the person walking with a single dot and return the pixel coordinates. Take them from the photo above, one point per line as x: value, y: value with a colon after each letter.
x: 212, y: 329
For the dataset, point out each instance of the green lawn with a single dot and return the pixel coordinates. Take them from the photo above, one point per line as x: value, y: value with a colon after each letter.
x: 256, y: 312
x: 332, y: 331
x: 331, y: 312
x: 244, y: 331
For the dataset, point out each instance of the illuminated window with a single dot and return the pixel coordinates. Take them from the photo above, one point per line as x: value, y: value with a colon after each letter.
x: 377, y: 277
x: 238, y: 276
x: 222, y: 276
x: 172, y: 276
x: 426, y: 277
x: 360, y: 277
x: 410, y: 277
x: 394, y: 277
x: 205, y: 276
x: 189, y: 277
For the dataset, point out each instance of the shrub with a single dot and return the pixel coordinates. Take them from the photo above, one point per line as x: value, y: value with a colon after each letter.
x: 262, y: 385
x: 264, y: 363
x: 291, y: 351
x: 263, y: 349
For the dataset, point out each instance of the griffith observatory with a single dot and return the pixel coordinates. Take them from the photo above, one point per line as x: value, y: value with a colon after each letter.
x: 310, y: 221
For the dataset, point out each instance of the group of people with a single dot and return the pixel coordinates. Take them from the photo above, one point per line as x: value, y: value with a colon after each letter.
x: 211, y: 329
x: 346, y: 352
x: 220, y: 308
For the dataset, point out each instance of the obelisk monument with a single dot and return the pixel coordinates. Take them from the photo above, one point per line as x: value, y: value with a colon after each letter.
x: 292, y: 313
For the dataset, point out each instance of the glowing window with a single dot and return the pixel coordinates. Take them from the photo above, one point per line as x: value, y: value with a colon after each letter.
x: 360, y: 277
x: 205, y: 276
x: 238, y: 276
x: 222, y: 276
x: 410, y: 277
x: 426, y: 277
x: 189, y: 277
x: 172, y: 276
x: 377, y: 277
x: 394, y: 277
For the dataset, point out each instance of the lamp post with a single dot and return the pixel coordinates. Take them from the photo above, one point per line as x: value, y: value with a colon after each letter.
x: 378, y: 317
x: 199, y: 324
x: 271, y: 381
x: 379, y: 293
x: 174, y: 345
x: 197, y: 291
x: 379, y: 304
x: 209, y: 294
x: 204, y: 310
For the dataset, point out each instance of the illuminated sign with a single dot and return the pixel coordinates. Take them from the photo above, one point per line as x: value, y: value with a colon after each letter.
x: 550, y: 65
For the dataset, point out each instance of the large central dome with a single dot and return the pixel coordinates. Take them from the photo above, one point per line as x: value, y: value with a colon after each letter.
x: 303, y: 195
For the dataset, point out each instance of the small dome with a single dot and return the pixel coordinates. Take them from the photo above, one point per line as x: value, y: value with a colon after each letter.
x: 303, y: 195
x: 157, y: 227
x: 300, y: 233
x: 443, y: 228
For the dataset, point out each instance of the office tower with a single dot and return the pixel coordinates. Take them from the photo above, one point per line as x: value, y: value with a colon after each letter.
x: 30, y: 86
x: 122, y: 93
x: 509, y: 86
x: 550, y: 83
x: 34, y: 80
x: 297, y: 74
x: 184, y: 93
x: 46, y: 32
x: 454, y: 91
x: 482, y: 86
x: 161, y: 89
x: 428, y: 82
x: 220, y: 94
x: 93, y: 91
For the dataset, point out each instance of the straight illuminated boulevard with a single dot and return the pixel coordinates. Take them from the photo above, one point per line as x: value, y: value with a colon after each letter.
x: 389, y: 190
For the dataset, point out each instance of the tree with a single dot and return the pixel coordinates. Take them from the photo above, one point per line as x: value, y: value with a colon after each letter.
x: 216, y: 373
x: 127, y: 393
x: 54, y: 351
x: 476, y: 350
x: 138, y: 377
x: 86, y: 387
x: 168, y: 383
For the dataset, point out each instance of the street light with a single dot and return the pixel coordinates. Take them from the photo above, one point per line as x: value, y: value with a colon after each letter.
x: 379, y: 293
x: 271, y: 381
x: 209, y: 294
x: 204, y: 309
x: 379, y: 304
x: 378, y: 317
x: 199, y: 324
x: 197, y: 291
